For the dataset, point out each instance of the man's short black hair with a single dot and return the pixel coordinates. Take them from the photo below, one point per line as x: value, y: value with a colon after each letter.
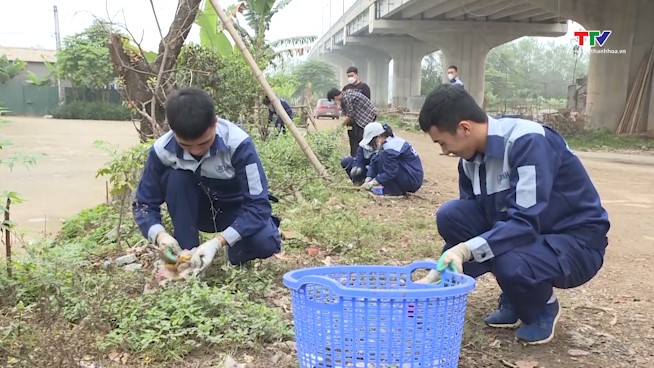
x: 448, y: 105
x: 190, y: 112
x: 333, y: 93
x: 453, y: 67
x: 352, y: 69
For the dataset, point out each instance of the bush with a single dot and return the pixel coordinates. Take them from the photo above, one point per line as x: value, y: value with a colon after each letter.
x: 92, y: 111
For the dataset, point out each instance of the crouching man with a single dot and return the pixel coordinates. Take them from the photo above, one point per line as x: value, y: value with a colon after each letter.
x: 528, y: 212
x: 208, y: 173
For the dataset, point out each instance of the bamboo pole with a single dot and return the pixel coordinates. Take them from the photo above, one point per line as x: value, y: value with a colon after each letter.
x: 269, y: 91
x: 640, y: 107
x: 8, y: 236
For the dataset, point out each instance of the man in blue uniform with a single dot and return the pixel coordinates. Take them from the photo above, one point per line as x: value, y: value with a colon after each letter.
x: 208, y: 173
x: 272, y: 114
x: 528, y: 211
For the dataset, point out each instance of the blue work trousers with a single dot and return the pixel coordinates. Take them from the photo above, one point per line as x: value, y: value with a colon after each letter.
x: 528, y: 273
x: 347, y: 163
x: 191, y: 211
x: 400, y: 185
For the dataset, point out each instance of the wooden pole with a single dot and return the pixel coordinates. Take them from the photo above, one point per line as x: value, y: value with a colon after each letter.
x: 8, y: 237
x: 269, y: 91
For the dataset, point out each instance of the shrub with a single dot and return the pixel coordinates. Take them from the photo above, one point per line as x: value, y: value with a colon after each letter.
x: 92, y: 111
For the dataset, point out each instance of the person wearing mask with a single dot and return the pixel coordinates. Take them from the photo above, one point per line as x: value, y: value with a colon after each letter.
x: 272, y: 114
x: 358, y: 111
x: 354, y: 82
x: 397, y: 168
x: 357, y: 167
x: 527, y: 211
x: 453, y: 76
x: 208, y: 173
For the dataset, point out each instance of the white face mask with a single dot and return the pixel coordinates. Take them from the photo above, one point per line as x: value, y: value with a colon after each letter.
x: 450, y: 75
x: 351, y: 80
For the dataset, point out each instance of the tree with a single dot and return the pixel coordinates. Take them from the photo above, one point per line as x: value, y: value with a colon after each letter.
x: 431, y: 72
x: 528, y: 71
x: 319, y: 74
x: 10, y: 69
x: 258, y: 15
x: 225, y: 77
x: 84, y: 58
x: 144, y: 83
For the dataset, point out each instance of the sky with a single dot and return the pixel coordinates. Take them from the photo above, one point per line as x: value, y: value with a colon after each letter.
x: 31, y: 23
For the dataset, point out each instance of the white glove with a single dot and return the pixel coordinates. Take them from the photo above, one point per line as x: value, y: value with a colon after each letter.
x: 166, y: 241
x: 369, y: 184
x: 455, y: 256
x: 204, y: 254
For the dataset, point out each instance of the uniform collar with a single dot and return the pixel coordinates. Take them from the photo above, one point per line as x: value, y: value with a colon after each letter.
x: 217, y: 145
x: 494, y: 139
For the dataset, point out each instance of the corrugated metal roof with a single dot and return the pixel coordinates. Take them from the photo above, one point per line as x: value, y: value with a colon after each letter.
x: 28, y: 55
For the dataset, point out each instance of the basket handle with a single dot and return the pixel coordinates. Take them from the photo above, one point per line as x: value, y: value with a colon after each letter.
x: 427, y: 264
x: 328, y: 283
x: 319, y: 280
x: 433, y: 267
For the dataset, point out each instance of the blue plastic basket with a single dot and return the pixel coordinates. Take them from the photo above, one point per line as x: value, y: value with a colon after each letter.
x: 375, y: 316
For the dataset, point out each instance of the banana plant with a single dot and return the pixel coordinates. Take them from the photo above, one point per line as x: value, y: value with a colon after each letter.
x: 258, y: 15
x: 10, y: 69
x: 211, y: 31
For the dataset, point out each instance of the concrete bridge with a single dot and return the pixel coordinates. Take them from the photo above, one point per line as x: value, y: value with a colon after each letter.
x: 373, y: 32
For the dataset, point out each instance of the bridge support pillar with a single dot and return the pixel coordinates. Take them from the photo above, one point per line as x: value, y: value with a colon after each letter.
x: 407, y: 70
x: 378, y: 79
x: 340, y: 63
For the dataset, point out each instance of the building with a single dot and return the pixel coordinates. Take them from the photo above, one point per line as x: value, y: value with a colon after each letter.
x: 19, y: 96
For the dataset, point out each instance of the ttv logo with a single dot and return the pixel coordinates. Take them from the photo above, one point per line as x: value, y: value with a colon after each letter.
x: 221, y: 168
x: 594, y: 37
x: 503, y: 176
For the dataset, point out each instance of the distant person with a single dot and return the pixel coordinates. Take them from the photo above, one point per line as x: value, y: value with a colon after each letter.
x: 272, y: 114
x: 208, y: 173
x: 358, y: 112
x: 353, y: 81
x: 396, y: 167
x: 527, y: 211
x: 453, y: 76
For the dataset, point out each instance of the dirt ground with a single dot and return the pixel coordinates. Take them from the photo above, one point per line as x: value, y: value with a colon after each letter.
x: 63, y: 181
x: 605, y: 323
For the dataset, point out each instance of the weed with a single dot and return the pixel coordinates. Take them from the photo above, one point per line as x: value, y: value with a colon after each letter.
x: 603, y: 139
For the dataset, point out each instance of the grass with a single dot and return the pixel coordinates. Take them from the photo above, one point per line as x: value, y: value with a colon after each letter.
x: 604, y: 140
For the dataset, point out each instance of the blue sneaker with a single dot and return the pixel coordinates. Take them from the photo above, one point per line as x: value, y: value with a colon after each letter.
x: 542, y: 330
x: 505, y: 315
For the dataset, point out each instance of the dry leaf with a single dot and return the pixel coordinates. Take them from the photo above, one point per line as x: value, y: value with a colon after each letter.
x: 578, y: 352
x: 230, y: 362
x: 313, y: 251
x: 526, y: 364
x: 288, y: 235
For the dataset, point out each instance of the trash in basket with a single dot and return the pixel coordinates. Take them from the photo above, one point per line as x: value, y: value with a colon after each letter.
x: 376, y: 316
